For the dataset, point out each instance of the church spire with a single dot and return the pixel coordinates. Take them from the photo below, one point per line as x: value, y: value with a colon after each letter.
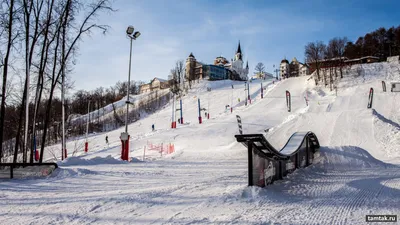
x: 239, y: 50
x: 238, y: 53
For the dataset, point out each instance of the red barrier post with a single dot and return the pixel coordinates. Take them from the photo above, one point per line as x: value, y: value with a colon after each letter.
x: 122, y: 149
x: 125, y: 146
x: 86, y: 146
x: 127, y: 149
x: 36, y: 155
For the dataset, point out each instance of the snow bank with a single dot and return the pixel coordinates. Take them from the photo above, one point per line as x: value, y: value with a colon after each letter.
x: 72, y: 161
x: 347, y: 157
x: 387, y: 133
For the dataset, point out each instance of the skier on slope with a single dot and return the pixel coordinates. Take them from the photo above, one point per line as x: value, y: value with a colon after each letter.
x: 107, y: 139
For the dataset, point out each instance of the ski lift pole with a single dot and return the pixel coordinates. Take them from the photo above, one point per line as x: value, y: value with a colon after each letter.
x: 232, y: 100
x: 87, y: 128
x: 262, y: 93
x: 245, y: 90
x: 208, y: 106
x: 181, y: 111
x: 173, y: 125
x: 198, y: 100
x: 248, y: 91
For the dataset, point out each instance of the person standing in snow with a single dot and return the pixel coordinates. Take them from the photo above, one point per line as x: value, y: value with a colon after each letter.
x: 152, y: 127
x: 107, y: 139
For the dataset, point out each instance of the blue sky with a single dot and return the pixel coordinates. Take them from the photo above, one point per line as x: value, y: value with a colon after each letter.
x: 171, y: 29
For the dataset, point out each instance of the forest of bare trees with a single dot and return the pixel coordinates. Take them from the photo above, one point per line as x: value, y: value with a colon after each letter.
x: 177, y: 83
x: 40, y: 40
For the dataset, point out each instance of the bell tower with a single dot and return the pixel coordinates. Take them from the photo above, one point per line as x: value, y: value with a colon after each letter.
x: 190, y: 65
x: 238, y: 55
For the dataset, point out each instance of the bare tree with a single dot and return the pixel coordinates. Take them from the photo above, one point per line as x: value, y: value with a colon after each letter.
x: 329, y: 54
x: 260, y: 68
x: 67, y: 25
x: 31, y: 38
x: 178, y: 73
x: 11, y: 36
x: 46, y: 41
x: 341, y: 47
x: 314, y: 53
x: 174, y: 85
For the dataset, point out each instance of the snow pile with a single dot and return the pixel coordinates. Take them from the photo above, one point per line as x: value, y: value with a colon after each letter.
x: 62, y: 173
x: 387, y: 133
x: 73, y: 161
x: 347, y: 157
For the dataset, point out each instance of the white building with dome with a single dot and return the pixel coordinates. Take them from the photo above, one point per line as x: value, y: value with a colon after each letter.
x: 293, y: 69
x: 221, y: 69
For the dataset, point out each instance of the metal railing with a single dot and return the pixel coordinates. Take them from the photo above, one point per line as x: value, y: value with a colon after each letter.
x: 13, y: 166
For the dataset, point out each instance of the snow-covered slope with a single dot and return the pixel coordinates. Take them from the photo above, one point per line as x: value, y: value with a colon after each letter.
x: 108, y: 111
x: 205, y: 180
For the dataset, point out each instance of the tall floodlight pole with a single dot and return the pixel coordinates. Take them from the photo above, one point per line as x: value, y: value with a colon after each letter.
x: 125, y: 135
x: 87, y: 128
x: 127, y: 91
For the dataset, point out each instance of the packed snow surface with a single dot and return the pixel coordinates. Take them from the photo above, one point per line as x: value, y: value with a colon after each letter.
x: 205, y: 180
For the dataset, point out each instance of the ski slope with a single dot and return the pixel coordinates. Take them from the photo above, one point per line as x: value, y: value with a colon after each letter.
x: 205, y: 180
